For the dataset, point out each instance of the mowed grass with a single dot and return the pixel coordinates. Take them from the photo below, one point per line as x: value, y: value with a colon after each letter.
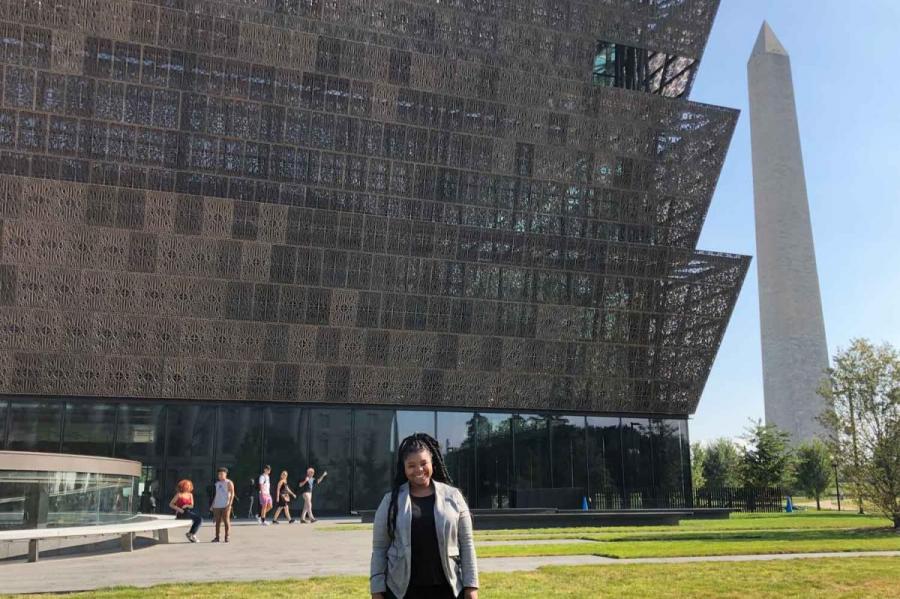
x: 742, y: 534
x: 806, y: 532
x: 832, y: 578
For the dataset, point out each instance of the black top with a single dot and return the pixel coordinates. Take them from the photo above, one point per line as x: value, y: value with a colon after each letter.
x: 426, y: 553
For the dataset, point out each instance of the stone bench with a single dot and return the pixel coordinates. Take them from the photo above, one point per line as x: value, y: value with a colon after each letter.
x: 126, y: 531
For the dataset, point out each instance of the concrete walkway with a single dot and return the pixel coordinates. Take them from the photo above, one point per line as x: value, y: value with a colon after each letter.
x: 270, y: 553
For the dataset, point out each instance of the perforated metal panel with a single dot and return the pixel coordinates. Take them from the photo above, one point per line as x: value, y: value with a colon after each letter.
x: 357, y: 201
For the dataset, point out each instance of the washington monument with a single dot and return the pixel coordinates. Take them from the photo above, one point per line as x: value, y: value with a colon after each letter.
x: 794, y: 351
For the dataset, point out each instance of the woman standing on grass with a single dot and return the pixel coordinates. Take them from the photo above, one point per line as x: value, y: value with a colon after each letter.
x: 183, y: 505
x: 409, y: 561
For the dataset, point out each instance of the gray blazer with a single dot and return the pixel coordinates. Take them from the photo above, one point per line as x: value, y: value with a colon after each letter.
x: 391, y: 561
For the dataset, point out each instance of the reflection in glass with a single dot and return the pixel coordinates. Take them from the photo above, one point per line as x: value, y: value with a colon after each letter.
x: 638, y: 463
x: 495, y: 460
x: 456, y: 434
x: 373, y: 457
x: 34, y: 426
x: 668, y: 471
x: 569, y: 455
x: 55, y: 499
x: 604, y: 454
x: 285, y: 446
x: 329, y: 450
x: 141, y: 433
x: 89, y: 428
x: 685, y: 440
x: 238, y: 442
x: 190, y: 430
x: 4, y: 409
x: 532, y: 451
x: 413, y: 421
x: 141, y: 436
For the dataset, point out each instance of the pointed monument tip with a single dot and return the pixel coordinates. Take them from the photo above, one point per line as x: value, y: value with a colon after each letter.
x: 767, y: 42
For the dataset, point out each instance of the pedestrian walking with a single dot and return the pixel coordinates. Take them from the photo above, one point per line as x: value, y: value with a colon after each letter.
x: 306, y: 491
x: 183, y: 505
x: 251, y: 491
x: 222, y: 502
x: 422, y: 546
x: 284, y: 494
x: 265, y: 495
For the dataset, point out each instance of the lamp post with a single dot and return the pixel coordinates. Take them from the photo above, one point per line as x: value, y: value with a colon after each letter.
x: 837, y: 483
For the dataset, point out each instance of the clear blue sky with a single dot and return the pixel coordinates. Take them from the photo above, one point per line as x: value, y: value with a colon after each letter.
x: 844, y: 60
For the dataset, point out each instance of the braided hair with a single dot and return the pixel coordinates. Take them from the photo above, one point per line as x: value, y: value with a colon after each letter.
x: 410, y: 445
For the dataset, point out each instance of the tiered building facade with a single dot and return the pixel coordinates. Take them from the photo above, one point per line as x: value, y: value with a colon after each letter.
x: 293, y: 231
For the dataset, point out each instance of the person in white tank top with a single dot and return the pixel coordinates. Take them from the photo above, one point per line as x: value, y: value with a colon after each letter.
x: 222, y: 501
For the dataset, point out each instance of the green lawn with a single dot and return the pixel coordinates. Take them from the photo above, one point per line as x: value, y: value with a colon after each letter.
x: 831, y: 578
x: 742, y: 534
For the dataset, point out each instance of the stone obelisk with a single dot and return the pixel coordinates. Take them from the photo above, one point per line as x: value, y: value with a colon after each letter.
x: 794, y: 350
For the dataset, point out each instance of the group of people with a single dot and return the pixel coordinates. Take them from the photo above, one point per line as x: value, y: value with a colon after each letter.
x: 224, y: 496
x: 284, y: 495
x: 422, y: 543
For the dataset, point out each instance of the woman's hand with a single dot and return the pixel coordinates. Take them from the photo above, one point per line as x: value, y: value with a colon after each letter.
x: 470, y: 593
x: 179, y: 510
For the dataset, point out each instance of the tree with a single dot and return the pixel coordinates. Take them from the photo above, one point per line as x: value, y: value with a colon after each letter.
x: 698, y: 457
x: 812, y: 473
x: 767, y: 458
x: 721, y: 464
x: 863, y: 421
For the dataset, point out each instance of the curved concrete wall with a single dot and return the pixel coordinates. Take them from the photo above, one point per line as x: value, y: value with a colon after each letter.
x: 61, y: 462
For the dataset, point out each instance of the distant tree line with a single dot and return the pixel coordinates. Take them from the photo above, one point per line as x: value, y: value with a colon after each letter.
x: 862, y: 440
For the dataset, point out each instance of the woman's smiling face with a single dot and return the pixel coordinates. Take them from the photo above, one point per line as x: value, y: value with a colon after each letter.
x: 418, y: 468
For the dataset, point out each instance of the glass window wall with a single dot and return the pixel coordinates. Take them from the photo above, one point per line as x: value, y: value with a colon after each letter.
x: 329, y: 451
x: 604, y: 454
x: 569, y: 455
x: 495, y: 460
x: 238, y: 444
x: 532, y: 440
x: 456, y: 434
x: 410, y: 422
x: 35, y: 426
x: 4, y: 409
x: 189, y: 450
x: 89, y: 428
x: 637, y: 443
x: 55, y: 499
x: 373, y: 457
x: 498, y: 460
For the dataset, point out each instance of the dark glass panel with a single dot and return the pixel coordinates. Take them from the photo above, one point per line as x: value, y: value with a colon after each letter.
x: 190, y: 432
x: 329, y: 450
x: 89, y: 428
x: 285, y: 446
x: 637, y: 444
x: 604, y: 454
x: 532, y: 452
x: 569, y: 453
x: 668, y: 467
x: 140, y: 434
x: 495, y: 460
x: 456, y: 434
x: 238, y: 443
x: 686, y: 462
x: 373, y: 458
x: 4, y: 410
x: 34, y: 426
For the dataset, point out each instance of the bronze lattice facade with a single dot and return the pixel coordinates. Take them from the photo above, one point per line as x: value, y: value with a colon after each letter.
x: 479, y: 204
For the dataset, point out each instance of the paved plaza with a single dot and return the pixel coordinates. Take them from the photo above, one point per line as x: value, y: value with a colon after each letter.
x: 271, y: 553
